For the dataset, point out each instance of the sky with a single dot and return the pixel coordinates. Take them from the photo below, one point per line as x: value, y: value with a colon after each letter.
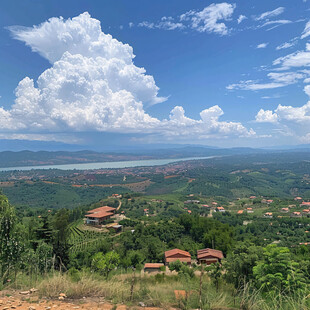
x: 135, y: 72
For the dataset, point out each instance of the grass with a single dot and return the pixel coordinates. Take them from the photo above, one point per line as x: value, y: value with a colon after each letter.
x: 158, y: 291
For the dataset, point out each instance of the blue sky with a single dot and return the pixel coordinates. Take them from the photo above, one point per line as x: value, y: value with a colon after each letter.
x: 215, y: 73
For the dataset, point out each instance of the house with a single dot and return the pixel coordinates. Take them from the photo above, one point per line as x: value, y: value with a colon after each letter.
x: 153, y: 267
x: 296, y: 214
x: 240, y: 212
x: 206, y: 206
x: 191, y: 201
x: 297, y: 198
x: 252, y: 197
x: 209, y: 256
x: 268, y: 215
x: 249, y: 210
x: 117, y: 196
x: 99, y: 215
x: 114, y: 227
x: 284, y: 210
x: 176, y: 254
x: 305, y: 204
x: 268, y: 201
x: 306, y: 212
x: 219, y: 209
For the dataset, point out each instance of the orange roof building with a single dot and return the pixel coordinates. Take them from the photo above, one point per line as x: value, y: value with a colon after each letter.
x: 209, y: 256
x: 99, y: 215
x: 153, y: 267
x: 177, y: 254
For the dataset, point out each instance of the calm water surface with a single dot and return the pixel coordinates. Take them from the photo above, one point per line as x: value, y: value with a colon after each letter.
x: 108, y: 165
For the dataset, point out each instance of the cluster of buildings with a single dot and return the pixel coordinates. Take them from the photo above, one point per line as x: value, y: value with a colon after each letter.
x: 206, y: 256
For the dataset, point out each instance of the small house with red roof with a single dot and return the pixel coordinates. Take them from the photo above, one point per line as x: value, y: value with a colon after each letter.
x: 177, y: 254
x: 153, y: 267
x: 209, y: 256
x: 305, y: 204
x: 296, y: 214
x: 268, y: 215
x: 206, y: 206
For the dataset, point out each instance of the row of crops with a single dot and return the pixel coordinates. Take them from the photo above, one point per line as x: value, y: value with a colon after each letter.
x: 83, y: 239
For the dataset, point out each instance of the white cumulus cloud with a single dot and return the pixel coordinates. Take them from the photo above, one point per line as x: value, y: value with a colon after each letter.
x: 266, y: 116
x: 208, y: 19
x: 94, y: 86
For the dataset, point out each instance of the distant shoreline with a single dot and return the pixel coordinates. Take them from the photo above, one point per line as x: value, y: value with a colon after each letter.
x: 106, y: 165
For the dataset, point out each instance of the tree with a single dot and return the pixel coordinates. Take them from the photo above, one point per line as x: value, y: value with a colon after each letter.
x: 176, y: 265
x: 105, y: 263
x: 239, y: 264
x: 278, y: 272
x: 60, y: 235
x: 215, y: 273
x: 11, y: 246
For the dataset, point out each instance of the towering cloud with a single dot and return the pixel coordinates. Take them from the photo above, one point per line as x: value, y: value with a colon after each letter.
x: 93, y: 85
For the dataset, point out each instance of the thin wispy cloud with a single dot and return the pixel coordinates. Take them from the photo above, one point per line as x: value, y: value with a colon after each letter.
x: 286, y: 45
x: 306, y: 31
x: 241, y: 18
x: 266, y: 15
x: 209, y: 20
x: 262, y: 45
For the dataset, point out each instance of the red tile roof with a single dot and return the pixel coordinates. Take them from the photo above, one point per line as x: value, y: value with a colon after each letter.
x: 105, y: 208
x: 153, y: 265
x: 176, y: 251
x: 209, y: 252
x: 99, y: 214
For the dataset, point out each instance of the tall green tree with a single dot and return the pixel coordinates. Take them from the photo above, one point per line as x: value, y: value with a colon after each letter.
x: 105, y: 263
x: 11, y: 246
x: 278, y: 272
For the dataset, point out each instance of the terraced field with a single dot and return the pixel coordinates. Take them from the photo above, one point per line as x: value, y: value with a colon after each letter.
x: 82, y: 239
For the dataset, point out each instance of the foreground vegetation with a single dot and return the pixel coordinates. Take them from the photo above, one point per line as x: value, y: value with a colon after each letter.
x: 53, y: 254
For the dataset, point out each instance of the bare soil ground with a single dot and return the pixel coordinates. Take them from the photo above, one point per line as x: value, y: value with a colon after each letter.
x: 14, y: 300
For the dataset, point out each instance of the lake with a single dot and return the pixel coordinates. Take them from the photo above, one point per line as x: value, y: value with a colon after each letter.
x: 108, y: 165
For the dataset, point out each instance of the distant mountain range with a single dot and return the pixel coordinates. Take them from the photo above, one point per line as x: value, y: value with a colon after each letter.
x: 18, y: 156
x: 30, y: 158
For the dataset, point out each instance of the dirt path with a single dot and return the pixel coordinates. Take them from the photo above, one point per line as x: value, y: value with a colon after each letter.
x: 14, y: 300
x: 119, y: 205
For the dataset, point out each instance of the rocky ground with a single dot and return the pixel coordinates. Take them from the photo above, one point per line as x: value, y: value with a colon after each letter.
x: 15, y: 300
